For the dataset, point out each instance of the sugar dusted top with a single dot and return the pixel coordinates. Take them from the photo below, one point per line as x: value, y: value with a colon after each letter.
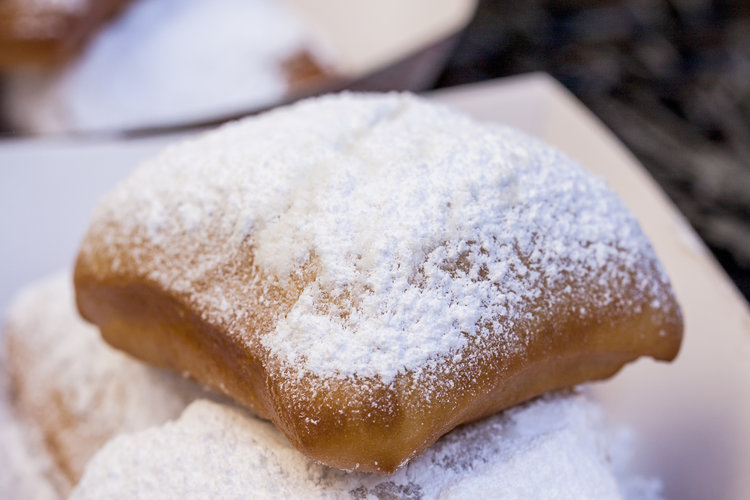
x: 387, y: 234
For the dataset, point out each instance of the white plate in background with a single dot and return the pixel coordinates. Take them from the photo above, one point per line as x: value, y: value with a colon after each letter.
x: 170, y: 63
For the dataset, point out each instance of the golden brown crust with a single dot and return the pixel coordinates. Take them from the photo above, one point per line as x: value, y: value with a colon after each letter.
x: 394, y: 423
x: 303, y: 71
x: 37, y: 33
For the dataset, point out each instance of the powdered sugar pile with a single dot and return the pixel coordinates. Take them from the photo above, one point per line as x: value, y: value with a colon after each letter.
x: 21, y: 466
x: 165, y: 62
x: 555, y: 447
x: 72, y: 388
x: 56, y: 350
x: 413, y: 234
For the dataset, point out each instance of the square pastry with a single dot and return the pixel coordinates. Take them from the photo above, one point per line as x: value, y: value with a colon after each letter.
x: 370, y: 271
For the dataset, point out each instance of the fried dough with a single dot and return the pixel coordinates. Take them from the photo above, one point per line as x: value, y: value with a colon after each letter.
x: 370, y: 271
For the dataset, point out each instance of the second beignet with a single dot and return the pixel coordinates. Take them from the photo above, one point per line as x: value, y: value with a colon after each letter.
x: 370, y: 271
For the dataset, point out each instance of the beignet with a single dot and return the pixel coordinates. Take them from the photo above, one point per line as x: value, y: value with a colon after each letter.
x: 47, y: 32
x: 71, y: 391
x: 370, y: 271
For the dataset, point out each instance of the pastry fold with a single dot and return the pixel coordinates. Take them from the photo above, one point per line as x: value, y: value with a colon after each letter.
x: 370, y: 271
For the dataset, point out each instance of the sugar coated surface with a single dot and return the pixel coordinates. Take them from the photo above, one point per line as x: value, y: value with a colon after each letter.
x: 411, y: 233
x: 553, y: 448
x: 22, y: 469
x: 164, y: 62
x: 59, y: 353
x: 74, y: 390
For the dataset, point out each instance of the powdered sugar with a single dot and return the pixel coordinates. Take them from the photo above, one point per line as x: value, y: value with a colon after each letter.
x: 407, y: 233
x: 21, y: 466
x: 71, y: 388
x: 555, y: 447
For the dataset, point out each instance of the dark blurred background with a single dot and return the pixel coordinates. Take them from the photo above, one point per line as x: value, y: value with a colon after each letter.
x: 670, y: 78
